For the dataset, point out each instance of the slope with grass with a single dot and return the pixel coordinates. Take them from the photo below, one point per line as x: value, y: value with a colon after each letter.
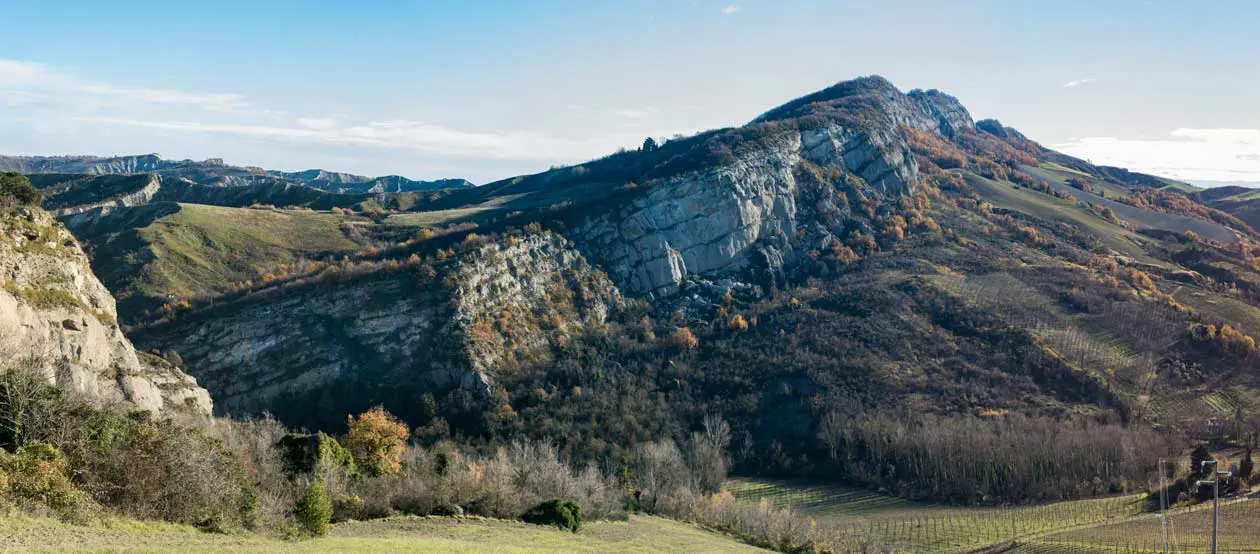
x: 640, y: 534
x: 152, y: 254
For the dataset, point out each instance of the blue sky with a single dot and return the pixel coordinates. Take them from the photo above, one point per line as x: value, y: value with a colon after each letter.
x: 489, y: 89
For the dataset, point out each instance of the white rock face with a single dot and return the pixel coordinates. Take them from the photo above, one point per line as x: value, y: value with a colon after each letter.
x: 139, y: 197
x: 722, y: 219
x: 54, y: 310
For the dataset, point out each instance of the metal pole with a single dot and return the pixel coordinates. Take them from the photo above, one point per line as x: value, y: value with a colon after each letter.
x: 1216, y: 504
x: 1216, y: 497
x: 1163, y: 504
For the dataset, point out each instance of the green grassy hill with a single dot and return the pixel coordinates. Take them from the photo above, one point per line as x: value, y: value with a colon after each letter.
x: 148, y: 255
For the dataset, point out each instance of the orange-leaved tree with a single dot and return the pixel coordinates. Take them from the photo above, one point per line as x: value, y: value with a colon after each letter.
x: 377, y: 440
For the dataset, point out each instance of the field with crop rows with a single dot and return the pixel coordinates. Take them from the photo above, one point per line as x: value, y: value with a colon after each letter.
x: 1115, y: 525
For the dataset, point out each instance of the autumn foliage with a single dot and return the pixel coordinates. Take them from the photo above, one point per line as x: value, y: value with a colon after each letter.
x: 683, y: 339
x: 377, y: 439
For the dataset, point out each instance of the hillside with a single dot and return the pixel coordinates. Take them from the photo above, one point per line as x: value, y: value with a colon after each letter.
x: 856, y: 253
x: 160, y: 253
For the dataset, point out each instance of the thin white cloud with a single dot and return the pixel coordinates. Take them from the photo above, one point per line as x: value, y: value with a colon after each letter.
x: 65, y: 104
x: 408, y: 135
x: 14, y: 72
x: 319, y: 123
x: 731, y: 9
x: 32, y: 80
x: 1187, y: 153
x: 634, y: 113
x: 160, y: 96
x: 1077, y: 83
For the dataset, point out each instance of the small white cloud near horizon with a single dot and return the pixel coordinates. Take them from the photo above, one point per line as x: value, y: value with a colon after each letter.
x: 731, y: 9
x: 1188, y: 154
x: 1078, y: 82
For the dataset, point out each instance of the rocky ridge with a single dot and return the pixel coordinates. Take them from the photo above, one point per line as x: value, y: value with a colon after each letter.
x: 748, y: 213
x: 398, y: 332
x: 214, y: 172
x: 54, y: 312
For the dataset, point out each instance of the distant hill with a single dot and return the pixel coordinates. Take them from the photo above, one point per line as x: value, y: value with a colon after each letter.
x: 214, y: 172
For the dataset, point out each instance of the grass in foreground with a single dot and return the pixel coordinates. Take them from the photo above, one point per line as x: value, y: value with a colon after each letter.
x: 641, y: 534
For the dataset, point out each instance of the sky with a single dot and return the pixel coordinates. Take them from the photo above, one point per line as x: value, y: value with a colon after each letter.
x: 485, y: 90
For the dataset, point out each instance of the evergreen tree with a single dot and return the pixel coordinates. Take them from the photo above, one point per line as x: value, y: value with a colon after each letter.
x: 1246, y: 466
x: 1199, y: 455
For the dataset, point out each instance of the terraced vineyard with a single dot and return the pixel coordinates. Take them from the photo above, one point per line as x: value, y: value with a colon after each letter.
x: 1189, y: 530
x: 906, y: 526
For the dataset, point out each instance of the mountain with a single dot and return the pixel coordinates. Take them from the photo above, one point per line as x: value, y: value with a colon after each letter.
x: 857, y: 252
x: 357, y: 184
x: 55, y: 311
x: 216, y: 173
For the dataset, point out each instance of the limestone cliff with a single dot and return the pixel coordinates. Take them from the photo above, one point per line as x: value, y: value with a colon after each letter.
x: 54, y: 312
x: 393, y: 333
x: 749, y: 212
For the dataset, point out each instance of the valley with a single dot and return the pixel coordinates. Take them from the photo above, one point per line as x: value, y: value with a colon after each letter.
x: 898, y: 328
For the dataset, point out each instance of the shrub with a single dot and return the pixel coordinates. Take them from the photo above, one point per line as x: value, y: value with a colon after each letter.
x: 377, y: 440
x: 683, y: 339
x: 39, y: 473
x: 16, y: 189
x: 303, y: 453
x: 562, y: 513
x: 314, y: 510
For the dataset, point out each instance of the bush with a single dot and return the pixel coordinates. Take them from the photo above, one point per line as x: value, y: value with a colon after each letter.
x: 314, y: 510
x: 561, y: 513
x: 142, y: 468
x: 39, y: 473
x: 304, y: 453
x: 16, y: 189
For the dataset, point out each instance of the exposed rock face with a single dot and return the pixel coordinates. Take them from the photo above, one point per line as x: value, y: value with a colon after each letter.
x: 55, y: 311
x: 137, y: 191
x: 89, y: 165
x: 393, y: 334
x: 724, y: 219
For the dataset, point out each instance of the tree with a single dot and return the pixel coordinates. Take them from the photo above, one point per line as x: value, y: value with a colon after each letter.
x: 683, y: 339
x: 25, y: 396
x: 16, y: 189
x: 1199, y: 455
x: 377, y: 439
x: 650, y: 145
x: 1246, y: 466
x: 314, y: 510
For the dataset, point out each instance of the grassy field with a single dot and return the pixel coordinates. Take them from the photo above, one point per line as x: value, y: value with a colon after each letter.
x: 641, y: 534
x: 916, y: 527
x: 1049, y: 208
x: 192, y: 249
